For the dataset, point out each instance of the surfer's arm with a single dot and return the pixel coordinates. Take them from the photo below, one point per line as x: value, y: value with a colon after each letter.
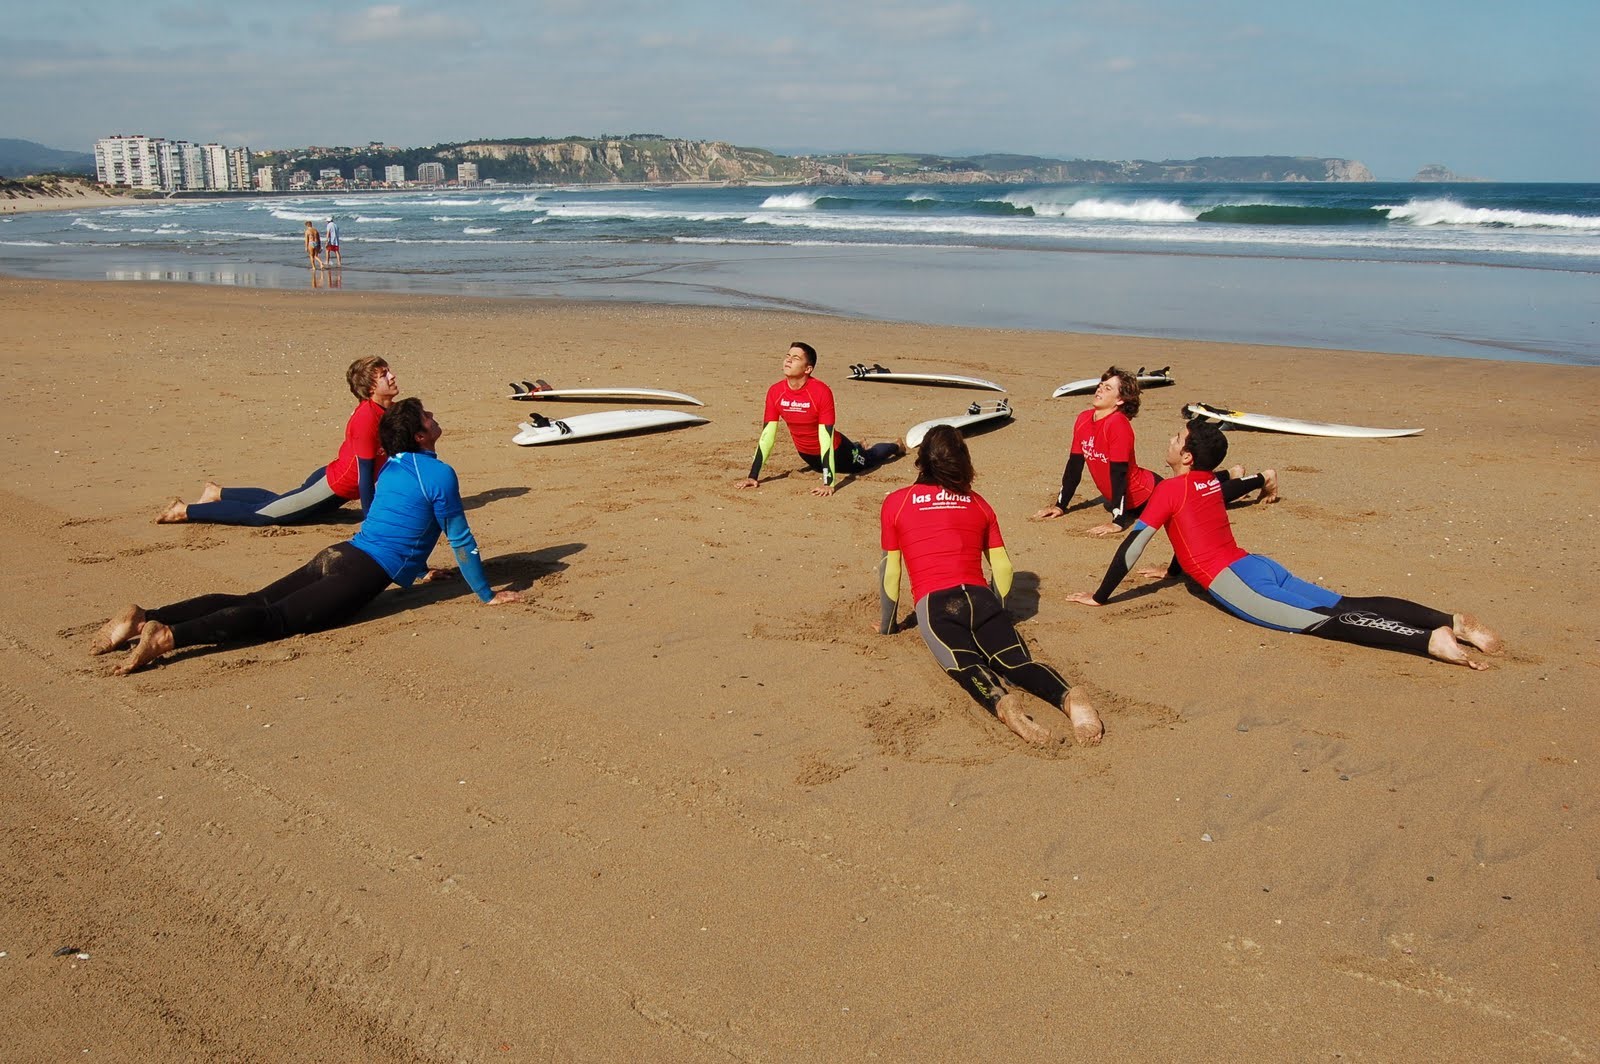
x: 1123, y: 561
x: 825, y: 441
x: 366, y: 481
x: 769, y: 436
x: 888, y: 591
x: 465, y: 548
x: 1069, y: 481
x: 1119, y: 495
x: 1000, y: 571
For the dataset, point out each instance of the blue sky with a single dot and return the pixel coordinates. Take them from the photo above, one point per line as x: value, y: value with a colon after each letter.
x: 1505, y: 92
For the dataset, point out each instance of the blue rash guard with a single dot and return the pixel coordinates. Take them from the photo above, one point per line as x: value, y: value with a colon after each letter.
x: 418, y: 496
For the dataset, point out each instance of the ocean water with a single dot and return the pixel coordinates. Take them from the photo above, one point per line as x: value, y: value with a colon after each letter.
x: 1481, y: 270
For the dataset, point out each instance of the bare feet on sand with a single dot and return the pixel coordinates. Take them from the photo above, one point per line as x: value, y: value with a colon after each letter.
x: 1442, y: 645
x: 1236, y: 472
x: 1469, y: 629
x: 212, y: 492
x: 155, y: 639
x: 176, y: 513
x: 1269, y: 486
x: 1086, y: 726
x: 118, y: 630
x: 1009, y: 710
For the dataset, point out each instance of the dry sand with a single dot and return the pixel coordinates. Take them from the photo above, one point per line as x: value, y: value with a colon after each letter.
x: 683, y: 805
x: 17, y: 197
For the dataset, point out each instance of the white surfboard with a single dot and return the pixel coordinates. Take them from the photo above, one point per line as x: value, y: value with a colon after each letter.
x: 976, y: 414
x: 1270, y: 423
x: 946, y: 380
x: 1148, y: 378
x: 541, y: 390
x: 604, y: 423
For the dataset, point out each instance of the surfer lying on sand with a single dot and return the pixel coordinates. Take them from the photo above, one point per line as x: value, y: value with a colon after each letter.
x: 805, y: 404
x: 1189, y: 506
x: 1102, y: 440
x: 417, y: 498
x: 350, y: 475
x: 943, y: 531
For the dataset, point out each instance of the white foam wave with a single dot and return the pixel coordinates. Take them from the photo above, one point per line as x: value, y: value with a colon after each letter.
x: 1092, y: 208
x: 450, y: 217
x: 285, y: 215
x: 791, y: 201
x: 590, y: 211
x: 373, y: 219
x: 526, y: 203
x: 141, y: 212
x: 84, y: 223
x: 1449, y: 212
x: 480, y: 230
x: 26, y: 244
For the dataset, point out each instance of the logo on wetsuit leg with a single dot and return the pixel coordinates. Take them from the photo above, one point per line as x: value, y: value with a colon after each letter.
x: 1382, y: 624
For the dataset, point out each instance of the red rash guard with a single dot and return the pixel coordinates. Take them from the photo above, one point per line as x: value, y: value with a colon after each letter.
x: 1191, y: 509
x: 940, y: 535
x: 360, y: 441
x: 1110, y: 440
x: 802, y: 409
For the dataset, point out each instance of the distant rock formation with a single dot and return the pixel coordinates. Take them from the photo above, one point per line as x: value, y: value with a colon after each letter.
x: 1439, y: 172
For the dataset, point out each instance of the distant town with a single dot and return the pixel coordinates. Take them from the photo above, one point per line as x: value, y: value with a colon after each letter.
x: 155, y: 164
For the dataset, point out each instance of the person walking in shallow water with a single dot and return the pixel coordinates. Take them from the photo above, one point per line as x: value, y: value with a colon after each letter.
x: 314, y: 246
x: 333, y: 257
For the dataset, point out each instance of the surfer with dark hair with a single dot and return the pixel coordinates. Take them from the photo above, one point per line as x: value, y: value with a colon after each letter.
x: 1189, y: 505
x: 943, y: 531
x: 805, y: 404
x: 418, y: 497
x: 1103, y: 441
x: 350, y: 475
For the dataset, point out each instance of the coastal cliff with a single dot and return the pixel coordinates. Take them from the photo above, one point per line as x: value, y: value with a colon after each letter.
x: 653, y: 158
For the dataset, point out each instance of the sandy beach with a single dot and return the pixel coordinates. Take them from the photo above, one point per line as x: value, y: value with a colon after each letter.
x: 684, y: 805
x: 69, y: 195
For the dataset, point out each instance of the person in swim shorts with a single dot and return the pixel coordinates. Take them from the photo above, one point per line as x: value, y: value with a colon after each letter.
x: 418, y: 498
x: 943, y: 531
x: 351, y: 474
x: 313, y: 246
x: 333, y: 256
x: 805, y: 404
x: 1189, y: 506
x: 1103, y: 442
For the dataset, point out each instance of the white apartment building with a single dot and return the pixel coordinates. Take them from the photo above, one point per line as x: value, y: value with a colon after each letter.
x: 394, y: 175
x: 430, y: 174
x: 331, y: 176
x: 264, y: 178
x: 132, y: 162
x: 467, y: 174
x: 162, y: 165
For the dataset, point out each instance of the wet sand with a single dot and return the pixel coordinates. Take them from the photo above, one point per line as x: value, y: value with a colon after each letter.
x: 683, y: 804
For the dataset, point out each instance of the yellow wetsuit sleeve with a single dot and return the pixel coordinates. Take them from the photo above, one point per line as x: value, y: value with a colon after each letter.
x: 888, y: 591
x: 769, y: 436
x: 825, y: 441
x: 1000, y: 571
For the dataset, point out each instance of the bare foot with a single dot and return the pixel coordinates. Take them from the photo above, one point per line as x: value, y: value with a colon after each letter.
x: 1086, y: 726
x: 1468, y: 628
x: 1009, y: 710
x: 212, y: 492
x: 1236, y: 472
x: 1269, y: 486
x: 1442, y: 645
x: 174, y: 514
x: 118, y: 630
x: 155, y: 639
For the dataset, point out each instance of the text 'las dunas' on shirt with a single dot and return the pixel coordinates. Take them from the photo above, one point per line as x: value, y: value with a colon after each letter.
x: 940, y: 534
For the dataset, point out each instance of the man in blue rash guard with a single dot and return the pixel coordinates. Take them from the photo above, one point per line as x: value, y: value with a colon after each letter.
x: 417, y: 498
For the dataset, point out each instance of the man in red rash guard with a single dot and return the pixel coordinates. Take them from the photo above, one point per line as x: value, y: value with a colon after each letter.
x: 1103, y: 441
x: 943, y: 530
x: 805, y: 404
x: 1252, y: 586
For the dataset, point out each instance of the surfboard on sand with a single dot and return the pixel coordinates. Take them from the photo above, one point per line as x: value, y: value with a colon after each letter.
x: 1270, y: 423
x: 541, y: 390
x: 1148, y: 378
x: 977, y: 414
x: 946, y: 380
x: 604, y: 423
